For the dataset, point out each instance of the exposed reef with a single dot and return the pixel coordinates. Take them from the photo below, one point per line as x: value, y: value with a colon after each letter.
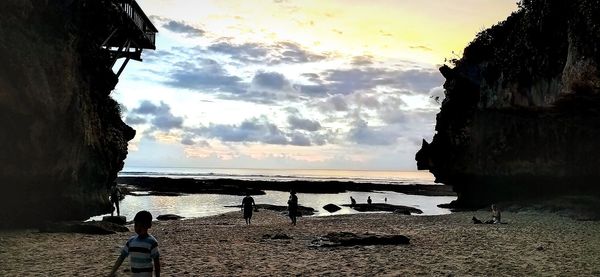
x: 521, y: 115
x: 62, y: 140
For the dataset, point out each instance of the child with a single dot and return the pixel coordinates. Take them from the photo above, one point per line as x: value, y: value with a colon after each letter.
x: 142, y: 249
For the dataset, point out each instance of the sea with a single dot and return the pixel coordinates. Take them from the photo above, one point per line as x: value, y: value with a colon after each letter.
x: 202, y: 205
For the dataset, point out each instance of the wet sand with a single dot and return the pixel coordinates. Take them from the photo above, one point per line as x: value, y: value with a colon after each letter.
x: 532, y: 243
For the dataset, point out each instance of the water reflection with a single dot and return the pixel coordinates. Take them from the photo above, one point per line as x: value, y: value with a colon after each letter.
x: 201, y: 205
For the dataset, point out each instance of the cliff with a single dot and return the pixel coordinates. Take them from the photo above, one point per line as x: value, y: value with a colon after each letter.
x: 62, y: 140
x: 521, y: 116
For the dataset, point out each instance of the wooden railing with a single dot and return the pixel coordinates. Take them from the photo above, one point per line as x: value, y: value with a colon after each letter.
x: 139, y: 18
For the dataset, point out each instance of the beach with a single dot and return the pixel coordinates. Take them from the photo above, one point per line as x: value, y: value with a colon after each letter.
x: 531, y: 243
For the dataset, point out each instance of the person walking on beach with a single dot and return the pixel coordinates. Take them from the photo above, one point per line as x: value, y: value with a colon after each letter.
x: 115, y: 197
x: 247, y: 206
x: 369, y: 200
x: 352, y: 201
x: 293, y: 206
x: 141, y: 248
x: 385, y: 200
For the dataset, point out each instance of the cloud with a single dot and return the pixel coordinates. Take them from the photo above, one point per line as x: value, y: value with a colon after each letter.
x: 271, y: 80
x: 362, y: 60
x: 160, y: 116
x: 421, y: 47
x: 298, y: 123
x: 348, y: 81
x: 183, y: 28
x: 334, y: 103
x: 299, y: 139
x: 206, y: 75
x: 283, y: 52
x: 362, y: 133
x: 135, y: 120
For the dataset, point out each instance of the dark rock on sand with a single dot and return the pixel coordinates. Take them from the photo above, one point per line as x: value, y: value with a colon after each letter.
x: 276, y: 236
x: 351, y: 239
x: 91, y: 227
x: 169, y: 217
x: 380, y: 207
x: 121, y: 220
x: 331, y: 208
x: 302, y: 210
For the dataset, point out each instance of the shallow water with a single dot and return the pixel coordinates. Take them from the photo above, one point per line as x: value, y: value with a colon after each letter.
x: 201, y: 205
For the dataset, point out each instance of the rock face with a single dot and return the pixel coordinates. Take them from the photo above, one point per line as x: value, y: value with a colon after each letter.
x: 62, y: 140
x: 521, y: 116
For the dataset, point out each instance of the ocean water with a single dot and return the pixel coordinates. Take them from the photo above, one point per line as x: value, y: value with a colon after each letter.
x: 201, y: 205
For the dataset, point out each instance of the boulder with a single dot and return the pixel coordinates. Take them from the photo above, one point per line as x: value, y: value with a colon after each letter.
x: 121, y: 220
x: 332, y: 208
x: 169, y: 217
x: 380, y: 207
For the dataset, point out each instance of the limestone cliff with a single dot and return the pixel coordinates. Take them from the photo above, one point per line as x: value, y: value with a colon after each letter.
x: 62, y: 140
x: 521, y: 116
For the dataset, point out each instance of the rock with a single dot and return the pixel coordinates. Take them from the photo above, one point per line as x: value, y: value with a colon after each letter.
x: 169, y: 217
x: 90, y: 227
x: 381, y: 207
x: 302, y: 210
x: 277, y: 236
x: 121, y: 220
x: 351, y: 239
x: 331, y: 208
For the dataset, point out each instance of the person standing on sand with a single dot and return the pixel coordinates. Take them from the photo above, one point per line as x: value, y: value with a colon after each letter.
x: 369, y: 200
x: 247, y: 206
x: 142, y: 249
x: 115, y: 197
x: 293, y: 206
x: 352, y: 201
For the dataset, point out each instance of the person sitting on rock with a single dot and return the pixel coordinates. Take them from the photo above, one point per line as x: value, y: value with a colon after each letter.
x: 115, y: 197
x: 369, y: 200
x: 352, y: 201
x: 496, y: 216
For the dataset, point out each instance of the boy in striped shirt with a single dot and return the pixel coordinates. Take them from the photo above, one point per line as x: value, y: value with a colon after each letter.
x: 142, y: 249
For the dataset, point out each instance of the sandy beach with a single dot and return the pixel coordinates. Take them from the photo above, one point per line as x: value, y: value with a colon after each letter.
x: 532, y: 243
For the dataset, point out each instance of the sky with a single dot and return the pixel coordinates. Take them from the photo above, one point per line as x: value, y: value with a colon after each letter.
x: 284, y: 84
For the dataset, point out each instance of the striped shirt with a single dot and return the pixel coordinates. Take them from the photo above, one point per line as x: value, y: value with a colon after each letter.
x: 141, y: 251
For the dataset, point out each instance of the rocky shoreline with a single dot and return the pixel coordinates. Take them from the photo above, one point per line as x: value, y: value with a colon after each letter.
x: 162, y: 185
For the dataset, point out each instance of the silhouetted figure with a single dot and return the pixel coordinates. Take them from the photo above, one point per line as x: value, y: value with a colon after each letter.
x: 385, y: 200
x: 115, y: 197
x: 247, y: 206
x: 293, y: 206
x: 369, y: 200
x: 352, y: 201
x: 496, y: 217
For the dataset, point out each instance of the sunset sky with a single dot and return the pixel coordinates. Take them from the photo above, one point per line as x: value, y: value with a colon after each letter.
x: 317, y: 84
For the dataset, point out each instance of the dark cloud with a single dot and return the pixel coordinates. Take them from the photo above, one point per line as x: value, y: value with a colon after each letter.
x: 134, y: 120
x: 312, y: 90
x: 298, y: 123
x: 362, y: 60
x: 271, y: 80
x: 206, y: 75
x: 421, y: 47
x: 187, y: 141
x: 333, y: 103
x: 299, y: 139
x: 348, y: 81
x: 182, y: 28
x: 253, y: 130
x: 161, y: 116
x: 255, y: 53
x: 362, y: 133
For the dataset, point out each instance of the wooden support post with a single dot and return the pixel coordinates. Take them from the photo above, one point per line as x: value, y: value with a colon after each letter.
x: 122, y: 67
